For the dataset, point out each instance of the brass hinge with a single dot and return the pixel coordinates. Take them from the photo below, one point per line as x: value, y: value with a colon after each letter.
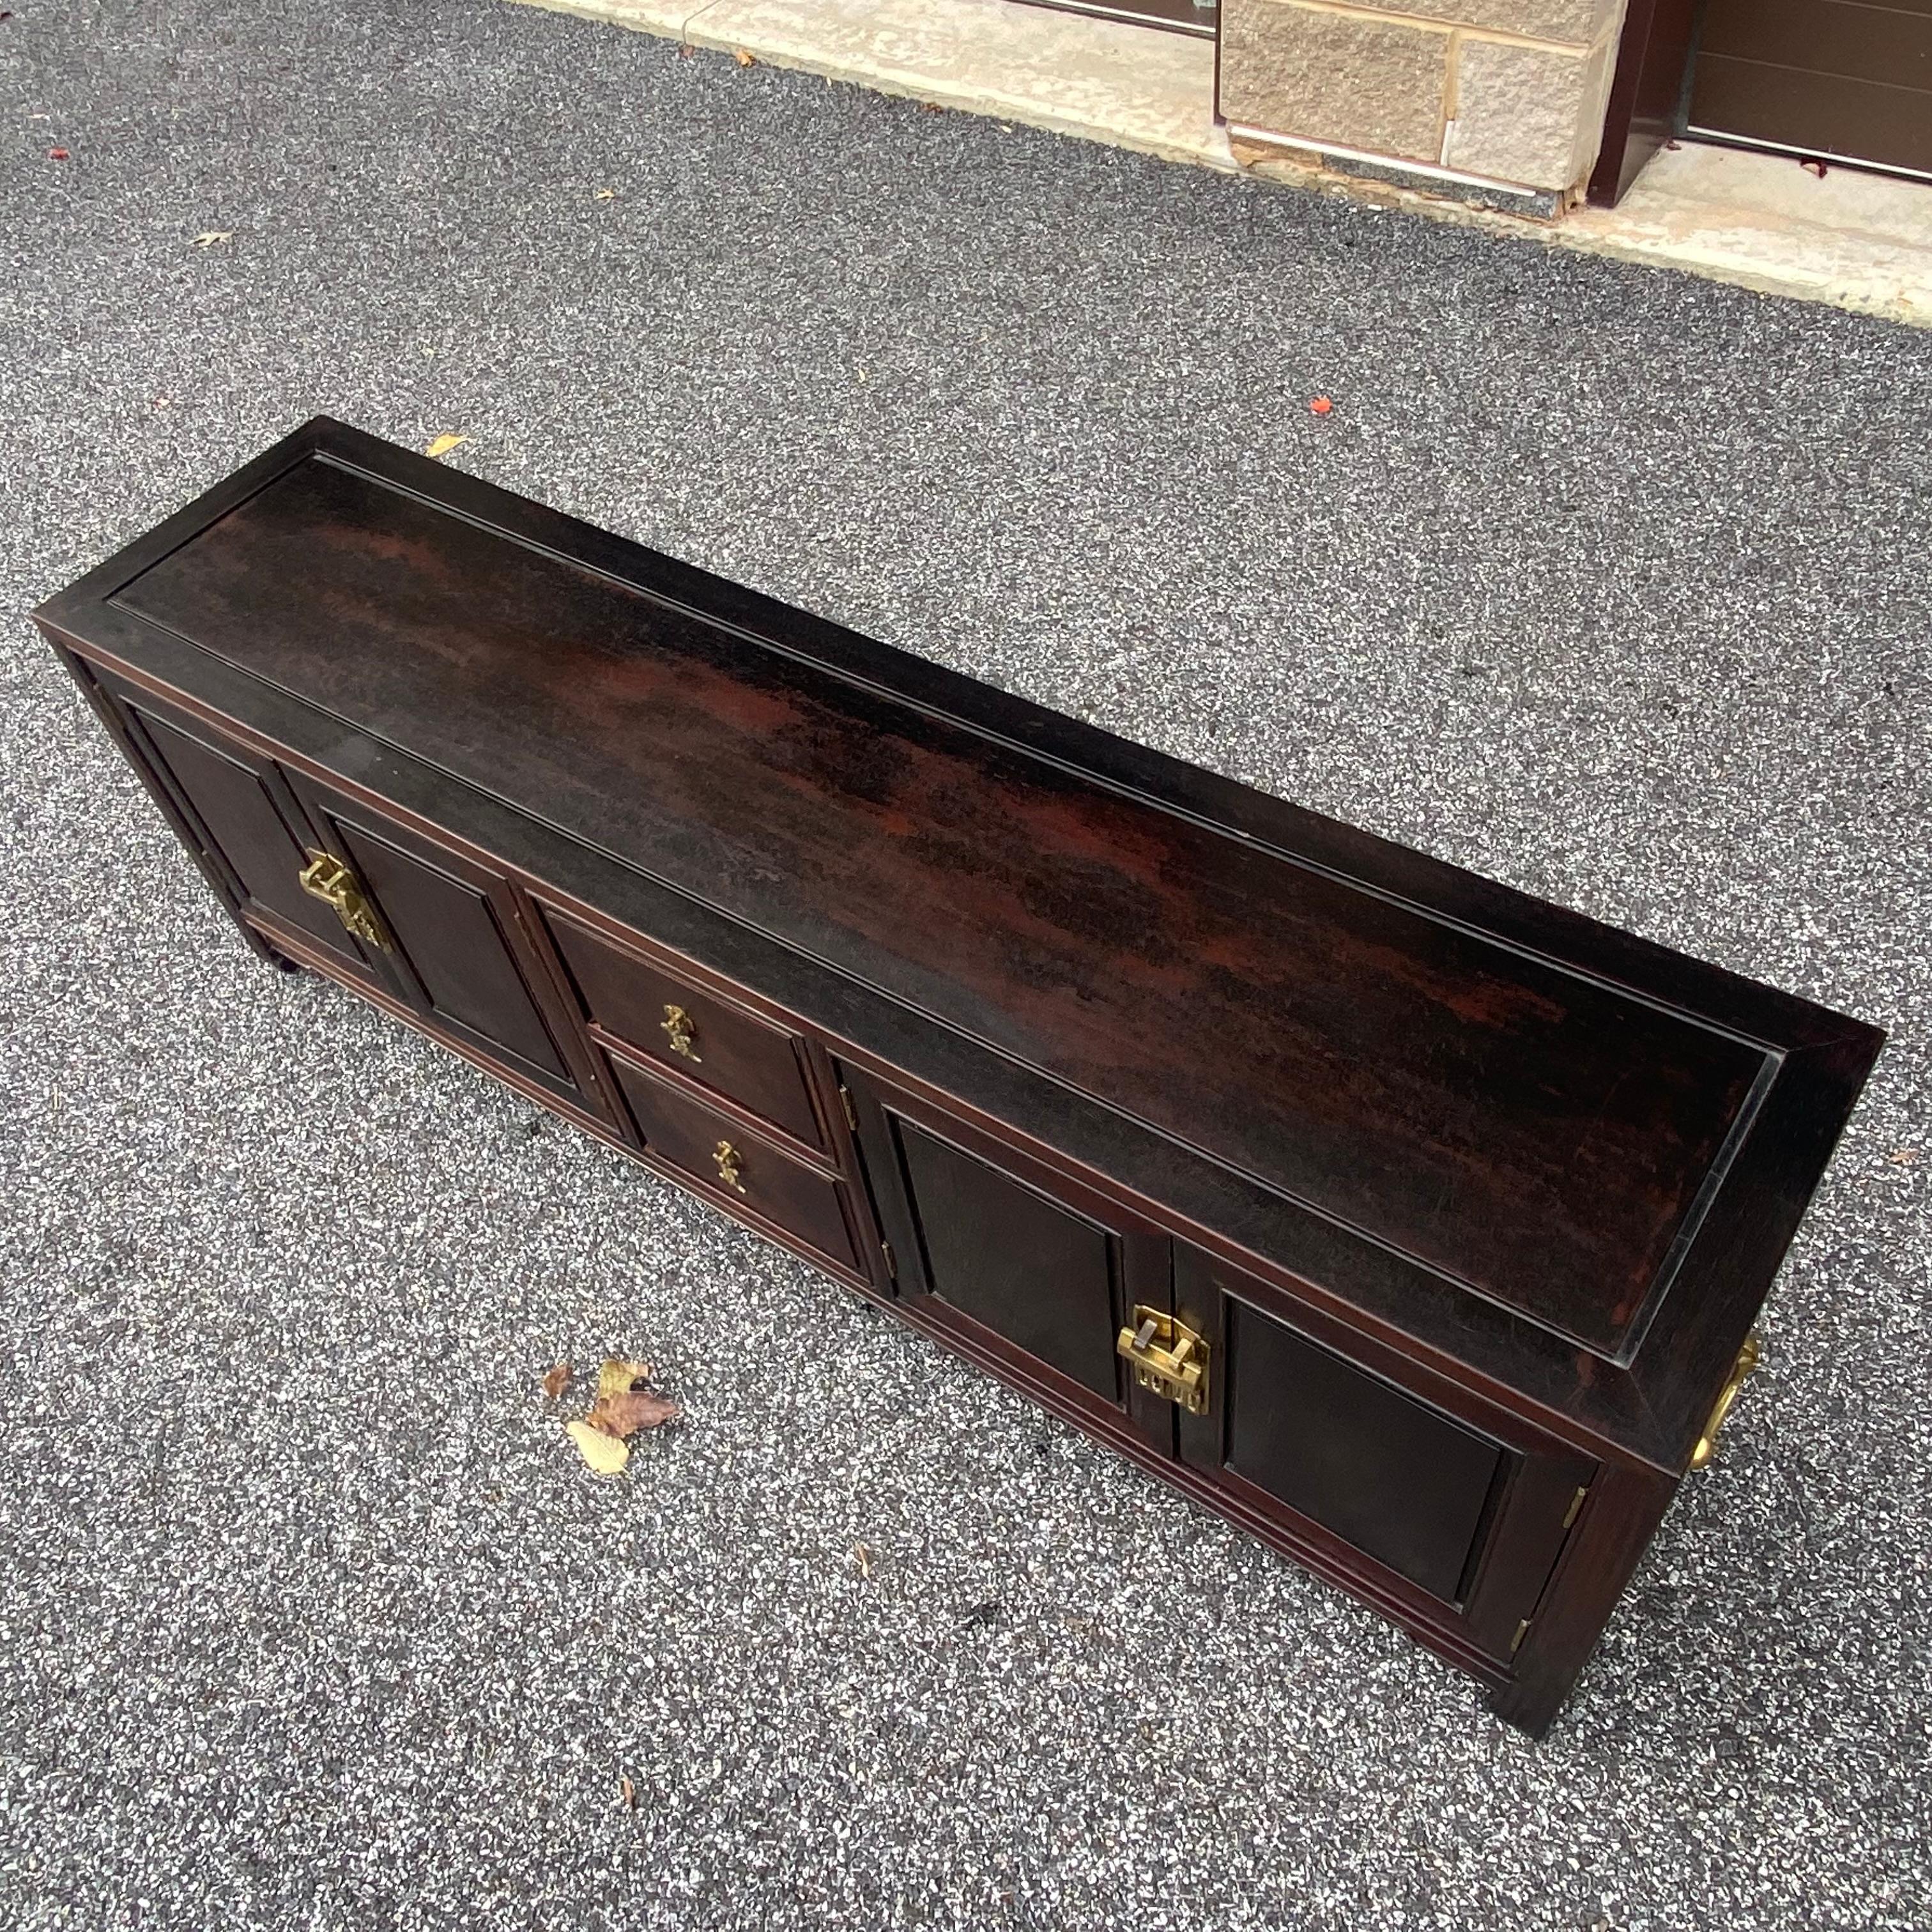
x: 851, y: 1111
x: 1570, y: 1515
x: 1522, y: 1631
x: 1168, y: 1357
x: 892, y: 1260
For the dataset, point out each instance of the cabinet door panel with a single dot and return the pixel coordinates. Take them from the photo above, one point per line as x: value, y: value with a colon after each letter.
x: 452, y: 937
x: 1026, y: 1268
x: 1403, y: 1483
x: 457, y: 957
x: 1309, y: 1425
x: 247, y: 822
x: 1041, y: 1275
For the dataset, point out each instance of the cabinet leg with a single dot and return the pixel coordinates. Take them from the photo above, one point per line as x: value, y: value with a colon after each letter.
x: 265, y: 948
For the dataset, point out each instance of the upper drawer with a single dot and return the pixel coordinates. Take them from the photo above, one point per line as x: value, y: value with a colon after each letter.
x: 720, y: 1045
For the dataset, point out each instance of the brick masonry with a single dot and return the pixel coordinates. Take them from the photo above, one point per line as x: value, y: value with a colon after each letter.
x: 1511, y: 91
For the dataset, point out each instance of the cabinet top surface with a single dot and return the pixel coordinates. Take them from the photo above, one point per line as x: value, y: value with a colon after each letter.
x: 1535, y: 1107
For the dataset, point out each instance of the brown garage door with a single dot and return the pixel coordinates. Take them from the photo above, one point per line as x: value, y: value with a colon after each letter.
x: 1183, y: 17
x: 1827, y: 77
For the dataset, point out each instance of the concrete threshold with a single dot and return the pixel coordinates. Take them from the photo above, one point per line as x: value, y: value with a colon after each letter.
x: 1859, y: 241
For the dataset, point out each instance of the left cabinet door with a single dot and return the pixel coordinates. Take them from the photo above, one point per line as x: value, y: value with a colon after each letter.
x: 455, y: 946
x: 236, y: 808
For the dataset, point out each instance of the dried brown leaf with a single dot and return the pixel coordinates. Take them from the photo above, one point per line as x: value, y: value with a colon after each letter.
x: 1904, y: 1156
x: 623, y: 1415
x: 558, y: 1380
x: 605, y: 194
x: 208, y: 237
x: 604, y: 1454
x: 618, y: 1377
x: 628, y: 1791
x: 861, y: 1559
x: 743, y: 58
x: 444, y: 444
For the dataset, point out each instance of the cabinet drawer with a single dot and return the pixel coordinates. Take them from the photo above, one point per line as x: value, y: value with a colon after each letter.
x: 743, y: 1171
x: 722, y: 1046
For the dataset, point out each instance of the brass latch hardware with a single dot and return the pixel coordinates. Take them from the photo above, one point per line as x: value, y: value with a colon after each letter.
x: 327, y: 878
x: 891, y: 1259
x: 730, y: 1166
x: 1747, y: 1361
x: 680, y: 1030
x: 1522, y: 1631
x: 1576, y: 1508
x: 1167, y: 1357
x: 851, y: 1111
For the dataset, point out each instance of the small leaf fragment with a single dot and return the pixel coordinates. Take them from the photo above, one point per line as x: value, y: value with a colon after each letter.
x: 623, y: 1415
x: 1904, y: 1156
x: 208, y: 237
x: 444, y: 444
x: 618, y: 1377
x: 606, y: 194
x: 557, y: 1380
x: 743, y: 58
x: 861, y: 1559
x: 57, y: 155
x: 628, y: 1791
x: 604, y: 1454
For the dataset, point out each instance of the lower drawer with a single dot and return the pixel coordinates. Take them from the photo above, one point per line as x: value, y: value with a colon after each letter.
x: 741, y: 1171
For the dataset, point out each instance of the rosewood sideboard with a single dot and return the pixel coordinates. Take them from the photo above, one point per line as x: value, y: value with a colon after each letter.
x: 1415, y: 1226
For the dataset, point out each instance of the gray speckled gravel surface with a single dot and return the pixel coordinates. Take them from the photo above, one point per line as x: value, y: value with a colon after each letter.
x: 1610, y: 582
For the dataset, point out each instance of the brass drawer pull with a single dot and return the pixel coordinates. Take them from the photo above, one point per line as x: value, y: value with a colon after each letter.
x: 1167, y: 1357
x: 682, y: 1032
x: 1707, y: 1443
x: 327, y: 878
x: 730, y: 1166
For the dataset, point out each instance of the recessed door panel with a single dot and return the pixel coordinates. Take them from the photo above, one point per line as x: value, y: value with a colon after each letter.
x: 1460, y: 1509
x: 255, y: 833
x: 453, y: 949
x: 1403, y: 1483
x: 1029, y: 1270
x: 451, y: 935
x: 1041, y: 1275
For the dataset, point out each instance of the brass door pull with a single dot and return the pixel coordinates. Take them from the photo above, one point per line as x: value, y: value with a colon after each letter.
x: 327, y: 878
x: 1168, y: 1357
x: 1707, y: 1443
x: 730, y: 1166
x: 682, y: 1031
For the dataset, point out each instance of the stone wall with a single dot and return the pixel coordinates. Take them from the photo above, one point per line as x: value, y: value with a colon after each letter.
x: 1508, y: 91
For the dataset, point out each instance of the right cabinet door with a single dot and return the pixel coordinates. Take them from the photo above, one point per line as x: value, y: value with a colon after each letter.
x: 1459, y: 1520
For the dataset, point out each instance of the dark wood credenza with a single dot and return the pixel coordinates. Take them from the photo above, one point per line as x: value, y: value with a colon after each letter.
x: 1411, y: 1223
